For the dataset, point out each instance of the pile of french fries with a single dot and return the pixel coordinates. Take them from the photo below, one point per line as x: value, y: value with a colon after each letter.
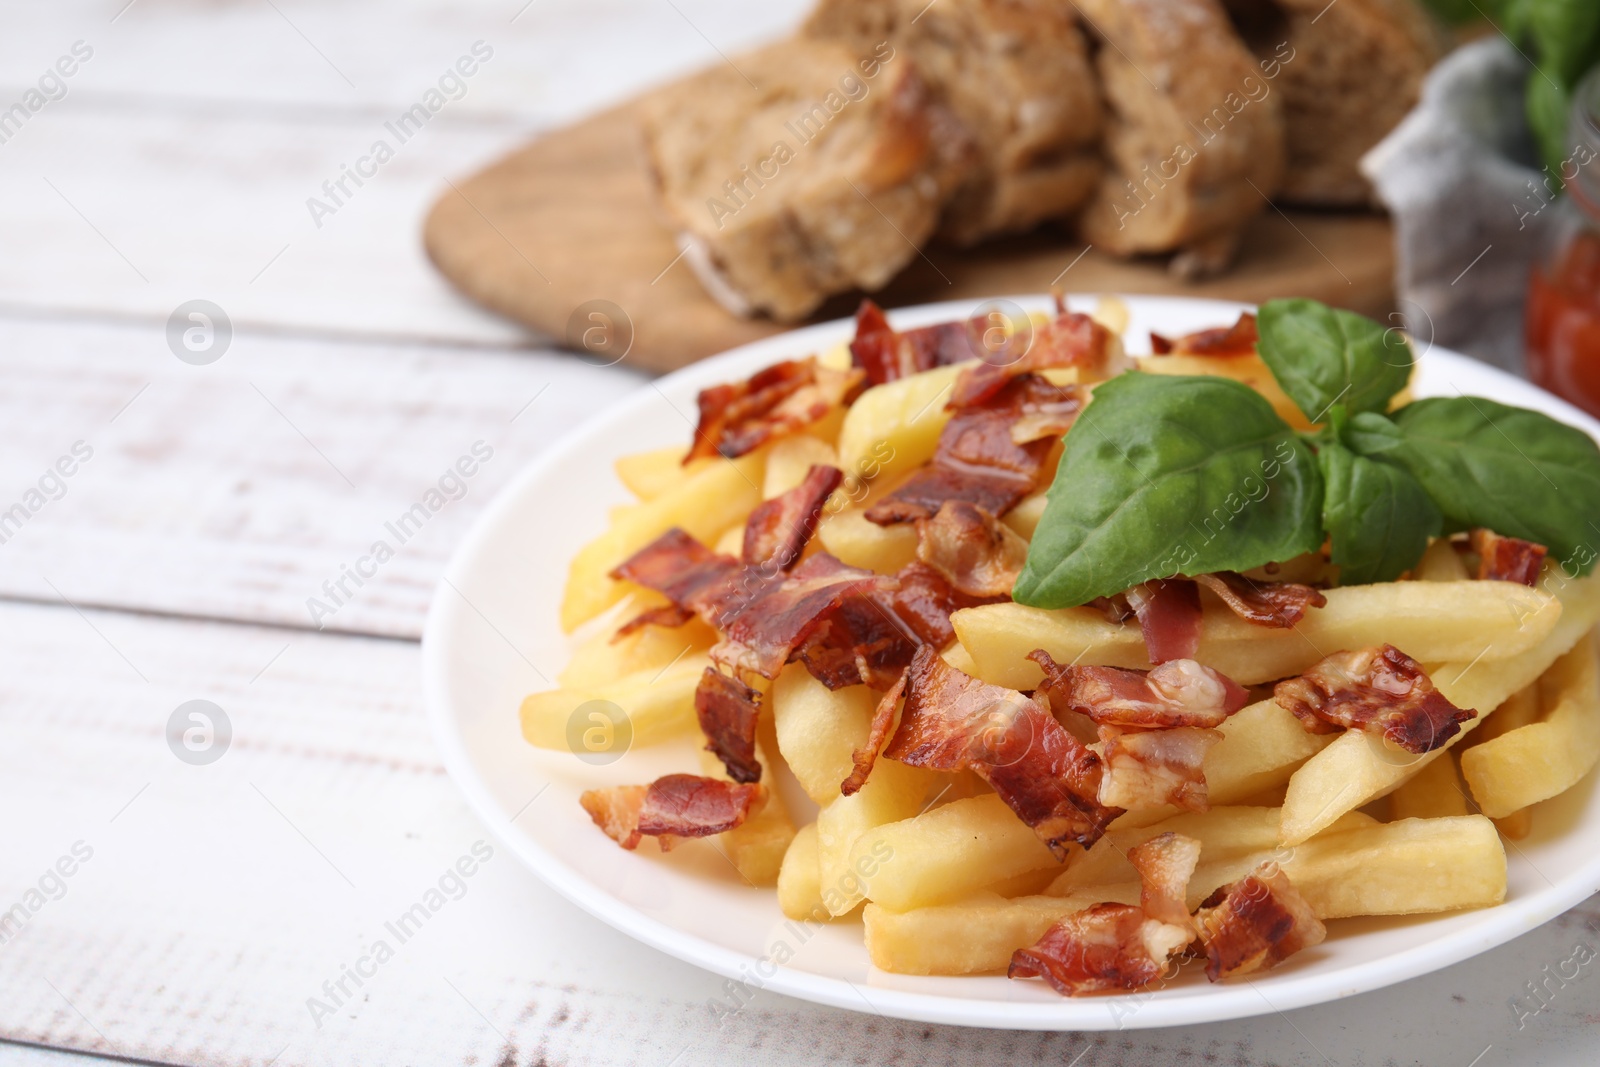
x: 942, y: 876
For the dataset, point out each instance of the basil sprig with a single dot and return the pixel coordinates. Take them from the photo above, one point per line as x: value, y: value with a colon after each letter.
x: 1168, y: 475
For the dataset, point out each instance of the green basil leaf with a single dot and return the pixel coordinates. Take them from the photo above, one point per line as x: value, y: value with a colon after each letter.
x: 1547, y: 106
x: 1518, y: 472
x: 1564, y: 34
x: 1323, y: 356
x: 1165, y: 475
x: 1378, y: 517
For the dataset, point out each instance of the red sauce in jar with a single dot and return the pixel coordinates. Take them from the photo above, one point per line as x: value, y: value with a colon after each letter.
x: 1563, y: 324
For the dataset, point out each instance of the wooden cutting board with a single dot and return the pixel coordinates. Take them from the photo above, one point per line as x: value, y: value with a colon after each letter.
x: 571, y: 220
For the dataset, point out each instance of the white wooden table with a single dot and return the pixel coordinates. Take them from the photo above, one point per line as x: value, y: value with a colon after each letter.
x: 176, y: 561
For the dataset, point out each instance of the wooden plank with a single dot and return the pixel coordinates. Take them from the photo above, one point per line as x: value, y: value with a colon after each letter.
x: 581, y: 197
x: 235, y: 490
x: 219, y: 898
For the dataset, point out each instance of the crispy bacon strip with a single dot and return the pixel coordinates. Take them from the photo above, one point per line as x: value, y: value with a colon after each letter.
x: 884, y: 354
x: 764, y: 623
x: 870, y: 639
x: 728, y: 711
x: 1507, y: 559
x: 1169, y: 616
x: 1276, y: 604
x: 1100, y: 949
x: 1149, y: 768
x: 738, y: 417
x: 1165, y: 864
x: 883, y: 721
x: 688, y: 573
x: 977, y: 553
x: 778, y: 529
x: 1378, y: 688
x: 1258, y: 922
x: 671, y: 807
x: 1240, y: 339
x: 1179, y: 692
x: 1068, y: 340
x: 979, y: 459
x: 951, y: 722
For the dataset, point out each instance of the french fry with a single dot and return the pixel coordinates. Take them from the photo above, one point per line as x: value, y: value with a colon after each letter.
x: 1249, y: 369
x: 800, y: 878
x: 947, y: 852
x: 1024, y: 518
x: 1410, y: 867
x: 1261, y: 747
x: 1435, y: 792
x: 849, y: 536
x: 894, y: 792
x: 1517, y: 825
x: 960, y: 659
x: 894, y: 428
x: 600, y: 661
x: 1433, y: 622
x: 731, y: 543
x: 757, y: 846
x: 1222, y: 832
x: 650, y: 474
x: 1441, y: 563
x: 1545, y: 758
x: 789, y: 458
x: 819, y: 729
x: 1359, y: 766
x: 705, y: 504
x: 658, y: 704
x: 1517, y: 711
x: 1112, y: 313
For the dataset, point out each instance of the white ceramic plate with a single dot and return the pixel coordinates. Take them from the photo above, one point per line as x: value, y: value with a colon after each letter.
x: 492, y: 637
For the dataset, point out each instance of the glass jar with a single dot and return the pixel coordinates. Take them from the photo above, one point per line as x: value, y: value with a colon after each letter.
x: 1562, y: 322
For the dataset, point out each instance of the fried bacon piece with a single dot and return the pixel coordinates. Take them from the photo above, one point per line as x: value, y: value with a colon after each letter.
x: 1149, y: 768
x: 1378, y: 688
x: 1165, y: 864
x: 672, y: 807
x: 728, y: 711
x: 778, y: 529
x: 952, y: 722
x: 765, y: 622
x: 1276, y: 604
x: 977, y: 553
x: 1256, y: 923
x: 683, y: 570
x: 738, y: 417
x: 883, y: 721
x: 1240, y: 339
x: 1179, y: 692
x: 1507, y: 559
x: 1101, y: 949
x: 979, y: 459
x: 885, y: 354
x: 1169, y: 616
x: 1068, y: 340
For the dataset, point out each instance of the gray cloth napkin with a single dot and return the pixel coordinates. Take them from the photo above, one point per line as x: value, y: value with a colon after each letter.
x: 1472, y: 212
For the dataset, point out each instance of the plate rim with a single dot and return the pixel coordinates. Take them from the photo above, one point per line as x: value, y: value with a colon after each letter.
x: 1505, y: 921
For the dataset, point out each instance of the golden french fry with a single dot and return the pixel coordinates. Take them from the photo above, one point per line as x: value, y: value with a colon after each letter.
x: 894, y: 792
x: 1024, y: 518
x: 1223, y: 833
x: 1441, y: 563
x: 1359, y: 766
x: 1517, y: 711
x: 960, y: 659
x: 1432, y: 622
x: 819, y: 729
x: 1540, y: 760
x: 1112, y: 313
x: 705, y: 504
x: 849, y: 536
x: 947, y: 852
x: 650, y: 474
x: 657, y: 704
x: 600, y: 661
x: 1517, y: 825
x: 1261, y: 747
x: 800, y: 878
x: 756, y: 847
x: 1249, y: 369
x: 893, y: 428
x: 1409, y: 867
x: 789, y: 458
x: 1435, y: 792
x: 731, y: 543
